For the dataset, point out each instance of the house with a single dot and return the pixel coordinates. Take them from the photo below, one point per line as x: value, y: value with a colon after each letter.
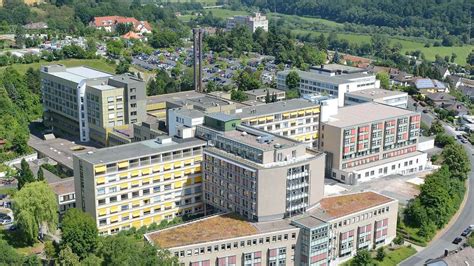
x: 458, y: 108
x: 402, y: 78
x: 356, y: 61
x: 467, y: 91
x: 444, y: 72
x: 109, y: 23
x: 132, y: 36
x: 440, y: 99
x: 426, y: 85
x: 458, y: 81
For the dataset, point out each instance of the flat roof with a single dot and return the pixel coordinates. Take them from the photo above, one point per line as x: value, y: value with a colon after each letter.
x: 65, y: 186
x: 103, y: 87
x: 249, y: 138
x: 273, y: 108
x: 77, y: 74
x: 263, y: 91
x: 58, y: 149
x: 365, y: 113
x: 205, y: 230
x: 137, y: 150
x: 337, y: 67
x: 172, y: 96
x: 310, y: 221
x: 337, y: 79
x: 191, y: 113
x: 222, y: 117
x: 375, y: 93
x: 342, y: 205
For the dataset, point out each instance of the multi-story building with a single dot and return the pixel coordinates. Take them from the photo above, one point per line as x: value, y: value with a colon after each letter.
x: 65, y: 194
x: 140, y: 183
x: 392, y: 98
x: 251, y: 22
x: 329, y: 234
x: 87, y: 103
x: 296, y: 118
x: 370, y: 140
x: 334, y: 80
x: 259, y: 175
x: 332, y: 232
x: 261, y: 95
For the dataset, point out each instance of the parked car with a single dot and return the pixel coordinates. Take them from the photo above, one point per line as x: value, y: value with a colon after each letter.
x: 466, y: 232
x: 457, y: 240
x: 425, y: 111
x: 2, y: 196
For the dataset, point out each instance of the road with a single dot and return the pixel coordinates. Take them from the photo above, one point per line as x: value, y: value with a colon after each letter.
x: 466, y: 218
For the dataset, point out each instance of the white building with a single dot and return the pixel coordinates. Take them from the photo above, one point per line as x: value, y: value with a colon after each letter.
x: 252, y: 22
x: 334, y: 80
x: 392, y: 98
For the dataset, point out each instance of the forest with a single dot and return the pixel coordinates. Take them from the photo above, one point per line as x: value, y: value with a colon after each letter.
x: 426, y: 18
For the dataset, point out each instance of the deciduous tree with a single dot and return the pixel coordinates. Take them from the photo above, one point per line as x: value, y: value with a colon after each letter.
x: 79, y: 232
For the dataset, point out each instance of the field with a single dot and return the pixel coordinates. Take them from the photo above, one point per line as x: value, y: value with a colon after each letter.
x: 408, y: 45
x: 93, y: 63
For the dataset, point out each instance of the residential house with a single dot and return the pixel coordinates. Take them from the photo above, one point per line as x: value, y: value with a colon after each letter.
x: 426, y: 85
x: 109, y: 23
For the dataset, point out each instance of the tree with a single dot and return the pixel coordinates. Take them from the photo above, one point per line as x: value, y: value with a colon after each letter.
x: 79, y: 232
x: 50, y: 250
x: 67, y: 258
x: 40, y: 174
x: 247, y: 80
x: 380, y: 254
x: 436, y: 128
x: 384, y: 80
x: 164, y: 38
x: 35, y: 209
x: 292, y: 94
x: 238, y: 95
x: 122, y: 67
x: 8, y: 255
x: 91, y: 260
x: 453, y: 57
x: 470, y: 58
x: 25, y: 176
x: 122, y: 28
x: 292, y: 80
x: 336, y: 58
x: 362, y: 258
x: 20, y: 38
x: 122, y: 250
x: 455, y: 157
x: 267, y: 97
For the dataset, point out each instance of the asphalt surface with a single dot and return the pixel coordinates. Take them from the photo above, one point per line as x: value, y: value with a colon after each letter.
x: 437, y: 247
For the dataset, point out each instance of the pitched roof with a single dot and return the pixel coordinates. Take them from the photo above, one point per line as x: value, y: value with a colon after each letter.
x: 132, y: 35
x: 114, y: 20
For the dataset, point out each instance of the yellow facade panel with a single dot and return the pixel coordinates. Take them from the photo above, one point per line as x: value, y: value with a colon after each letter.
x: 146, y: 180
x: 114, y: 209
x: 315, y: 135
x: 178, y: 184
x: 167, y: 176
x: 135, y: 173
x: 147, y: 221
x: 197, y: 179
x: 253, y: 120
x: 136, y: 203
x: 178, y: 174
x: 269, y: 117
x: 100, y: 180
x: 135, y: 183
x: 168, y: 166
x: 145, y: 171
x: 156, y: 178
x: 135, y: 214
x: 124, y: 186
x: 315, y: 110
x: 168, y: 205
x: 99, y: 169
x: 137, y: 224
x: 187, y: 171
x: 300, y: 112
x: 197, y: 169
x: 177, y: 164
x: 102, y: 212
x: 156, y: 169
x: 261, y: 119
x: 114, y: 219
x: 123, y: 175
x: 123, y: 164
x: 286, y: 114
x: 188, y: 161
x: 294, y: 113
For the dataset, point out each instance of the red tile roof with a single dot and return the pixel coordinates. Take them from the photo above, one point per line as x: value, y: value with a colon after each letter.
x: 114, y: 20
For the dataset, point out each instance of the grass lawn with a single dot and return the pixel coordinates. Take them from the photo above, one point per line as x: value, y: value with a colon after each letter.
x: 408, y: 45
x: 393, y: 257
x: 98, y: 64
x: 8, y: 191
